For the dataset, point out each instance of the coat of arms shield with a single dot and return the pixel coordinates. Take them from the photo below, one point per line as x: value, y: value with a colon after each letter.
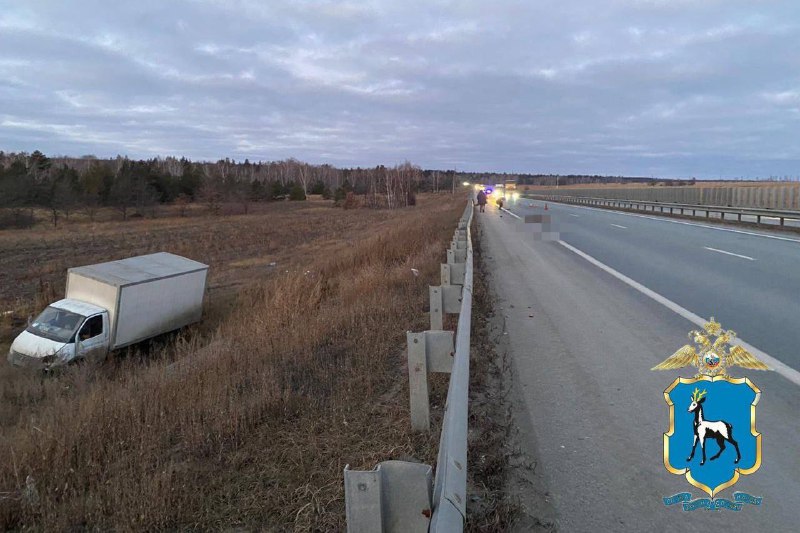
x: 712, y: 437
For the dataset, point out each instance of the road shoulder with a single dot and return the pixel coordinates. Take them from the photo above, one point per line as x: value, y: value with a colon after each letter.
x: 522, y: 499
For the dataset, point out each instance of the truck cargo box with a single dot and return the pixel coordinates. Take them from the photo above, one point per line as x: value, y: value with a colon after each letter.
x: 145, y: 296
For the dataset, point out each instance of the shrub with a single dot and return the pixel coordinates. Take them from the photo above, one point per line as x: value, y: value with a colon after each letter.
x: 350, y: 201
x: 297, y: 193
x: 318, y: 187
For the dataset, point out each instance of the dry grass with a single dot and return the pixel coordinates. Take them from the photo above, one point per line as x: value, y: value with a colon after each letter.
x: 256, y: 420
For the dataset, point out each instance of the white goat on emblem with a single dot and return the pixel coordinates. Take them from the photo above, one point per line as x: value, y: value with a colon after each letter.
x: 719, y: 430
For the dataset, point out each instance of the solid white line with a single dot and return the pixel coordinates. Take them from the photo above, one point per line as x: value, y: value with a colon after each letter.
x: 729, y: 253
x: 781, y: 368
x: 510, y: 213
x: 574, y: 215
x: 664, y: 219
x: 618, y: 226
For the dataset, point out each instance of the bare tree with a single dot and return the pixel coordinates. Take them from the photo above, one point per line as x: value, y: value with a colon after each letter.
x: 303, y: 171
x: 182, y: 201
x: 121, y: 196
x: 64, y: 199
x: 211, y: 195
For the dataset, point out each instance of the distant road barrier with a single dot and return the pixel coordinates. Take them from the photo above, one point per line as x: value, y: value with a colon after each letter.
x: 674, y: 208
x: 767, y: 195
x: 401, y: 496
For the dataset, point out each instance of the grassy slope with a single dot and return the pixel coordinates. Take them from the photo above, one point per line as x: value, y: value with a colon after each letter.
x: 257, y: 419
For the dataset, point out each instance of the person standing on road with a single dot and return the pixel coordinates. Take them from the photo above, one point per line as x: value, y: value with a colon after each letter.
x: 481, y: 201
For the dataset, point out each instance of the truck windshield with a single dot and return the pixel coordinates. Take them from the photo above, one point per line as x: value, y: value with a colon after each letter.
x: 55, y: 324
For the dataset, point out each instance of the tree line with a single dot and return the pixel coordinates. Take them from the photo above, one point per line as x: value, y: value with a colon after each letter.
x: 64, y: 185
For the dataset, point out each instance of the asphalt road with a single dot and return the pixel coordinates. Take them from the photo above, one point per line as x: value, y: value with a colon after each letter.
x: 590, y: 411
x: 748, y: 280
x: 700, y: 213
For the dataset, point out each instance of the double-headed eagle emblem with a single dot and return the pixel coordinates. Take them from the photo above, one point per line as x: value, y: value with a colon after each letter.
x: 713, y: 354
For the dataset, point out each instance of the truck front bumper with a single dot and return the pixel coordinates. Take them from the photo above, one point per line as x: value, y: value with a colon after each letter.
x: 26, y: 361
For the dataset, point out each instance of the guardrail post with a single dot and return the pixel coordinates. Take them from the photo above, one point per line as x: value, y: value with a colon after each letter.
x: 418, y: 382
x: 445, y: 274
x: 452, y: 274
x: 456, y: 256
x: 428, y: 351
x: 395, y: 497
x: 437, y: 307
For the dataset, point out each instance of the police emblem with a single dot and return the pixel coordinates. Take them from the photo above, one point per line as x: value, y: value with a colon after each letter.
x: 716, y: 413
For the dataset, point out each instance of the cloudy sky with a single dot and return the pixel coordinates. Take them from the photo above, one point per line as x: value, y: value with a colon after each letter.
x: 706, y: 88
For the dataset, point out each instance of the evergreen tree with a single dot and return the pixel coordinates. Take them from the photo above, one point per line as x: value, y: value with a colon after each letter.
x: 297, y: 193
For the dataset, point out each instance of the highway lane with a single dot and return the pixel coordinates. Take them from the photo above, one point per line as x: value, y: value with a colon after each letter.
x: 750, y: 281
x: 590, y: 411
x: 700, y: 213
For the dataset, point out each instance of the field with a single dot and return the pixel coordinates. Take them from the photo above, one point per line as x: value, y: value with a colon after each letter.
x: 248, y: 418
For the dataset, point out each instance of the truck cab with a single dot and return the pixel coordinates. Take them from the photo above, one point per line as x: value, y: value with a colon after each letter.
x: 66, y: 330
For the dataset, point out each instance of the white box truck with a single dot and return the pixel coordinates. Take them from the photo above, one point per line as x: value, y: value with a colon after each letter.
x: 113, y: 305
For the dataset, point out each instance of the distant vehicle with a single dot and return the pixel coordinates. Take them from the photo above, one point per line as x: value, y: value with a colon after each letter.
x: 112, y: 305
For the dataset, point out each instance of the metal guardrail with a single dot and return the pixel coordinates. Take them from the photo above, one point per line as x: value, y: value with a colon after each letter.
x: 642, y: 205
x: 398, y: 496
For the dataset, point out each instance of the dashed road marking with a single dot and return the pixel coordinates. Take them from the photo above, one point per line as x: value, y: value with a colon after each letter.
x: 781, y: 368
x: 672, y: 221
x: 729, y: 253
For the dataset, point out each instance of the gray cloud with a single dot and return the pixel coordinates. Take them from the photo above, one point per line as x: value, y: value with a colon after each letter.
x: 644, y: 87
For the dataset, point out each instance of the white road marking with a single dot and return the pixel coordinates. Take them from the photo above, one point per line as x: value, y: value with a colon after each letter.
x: 511, y: 213
x: 574, y: 215
x: 664, y: 219
x: 781, y: 368
x: 618, y: 226
x: 729, y: 253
